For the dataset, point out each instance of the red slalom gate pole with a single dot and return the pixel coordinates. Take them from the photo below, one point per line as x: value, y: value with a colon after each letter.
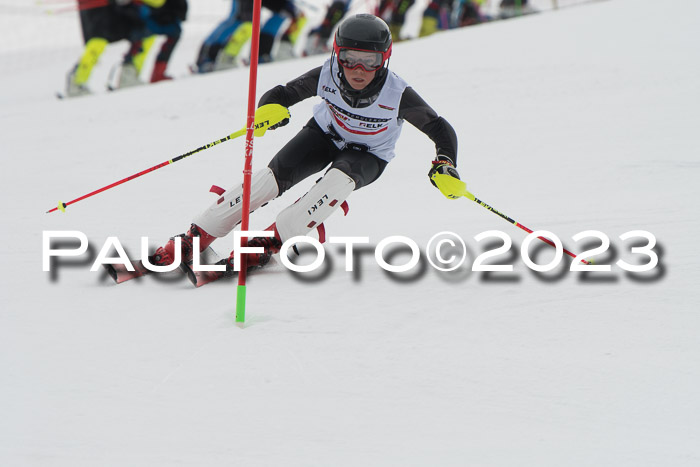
x: 248, y: 167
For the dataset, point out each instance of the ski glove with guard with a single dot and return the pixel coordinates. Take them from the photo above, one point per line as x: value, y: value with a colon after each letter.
x: 444, y: 176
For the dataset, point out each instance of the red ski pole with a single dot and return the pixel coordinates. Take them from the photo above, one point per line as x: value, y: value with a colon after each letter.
x: 456, y: 188
x: 518, y: 224
x: 265, y: 117
x: 62, y: 206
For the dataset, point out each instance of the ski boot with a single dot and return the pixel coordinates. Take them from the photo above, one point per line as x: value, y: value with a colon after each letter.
x: 271, y: 245
x: 159, y: 72
x: 165, y: 255
x: 225, y: 61
x: 73, y: 88
x: 128, y: 76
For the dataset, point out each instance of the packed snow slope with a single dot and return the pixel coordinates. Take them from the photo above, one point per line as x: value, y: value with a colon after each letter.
x: 581, y: 119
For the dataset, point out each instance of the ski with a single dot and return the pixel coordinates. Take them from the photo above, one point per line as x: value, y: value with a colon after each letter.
x: 64, y: 95
x: 200, y: 278
x: 112, y: 88
x: 117, y: 79
x: 120, y: 273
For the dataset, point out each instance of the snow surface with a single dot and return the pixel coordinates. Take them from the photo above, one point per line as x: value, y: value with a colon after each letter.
x: 568, y: 121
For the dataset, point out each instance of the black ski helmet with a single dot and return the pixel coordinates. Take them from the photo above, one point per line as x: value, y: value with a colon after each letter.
x: 363, y: 32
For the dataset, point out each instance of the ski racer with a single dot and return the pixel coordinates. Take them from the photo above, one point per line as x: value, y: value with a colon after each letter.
x: 102, y: 25
x: 394, y: 13
x: 220, y: 50
x: 351, y: 135
x: 319, y: 37
x: 137, y: 22
x: 163, y: 20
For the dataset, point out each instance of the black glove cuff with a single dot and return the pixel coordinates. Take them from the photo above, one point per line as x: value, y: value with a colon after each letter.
x: 442, y: 158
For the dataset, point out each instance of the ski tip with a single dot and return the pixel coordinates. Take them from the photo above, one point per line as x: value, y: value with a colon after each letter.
x: 112, y: 272
x: 189, y: 272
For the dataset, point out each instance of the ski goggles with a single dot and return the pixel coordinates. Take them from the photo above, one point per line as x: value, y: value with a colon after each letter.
x: 368, y: 60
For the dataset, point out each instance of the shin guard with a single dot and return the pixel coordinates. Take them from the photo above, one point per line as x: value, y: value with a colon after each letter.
x: 93, y: 49
x: 224, y: 215
x: 315, y: 206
